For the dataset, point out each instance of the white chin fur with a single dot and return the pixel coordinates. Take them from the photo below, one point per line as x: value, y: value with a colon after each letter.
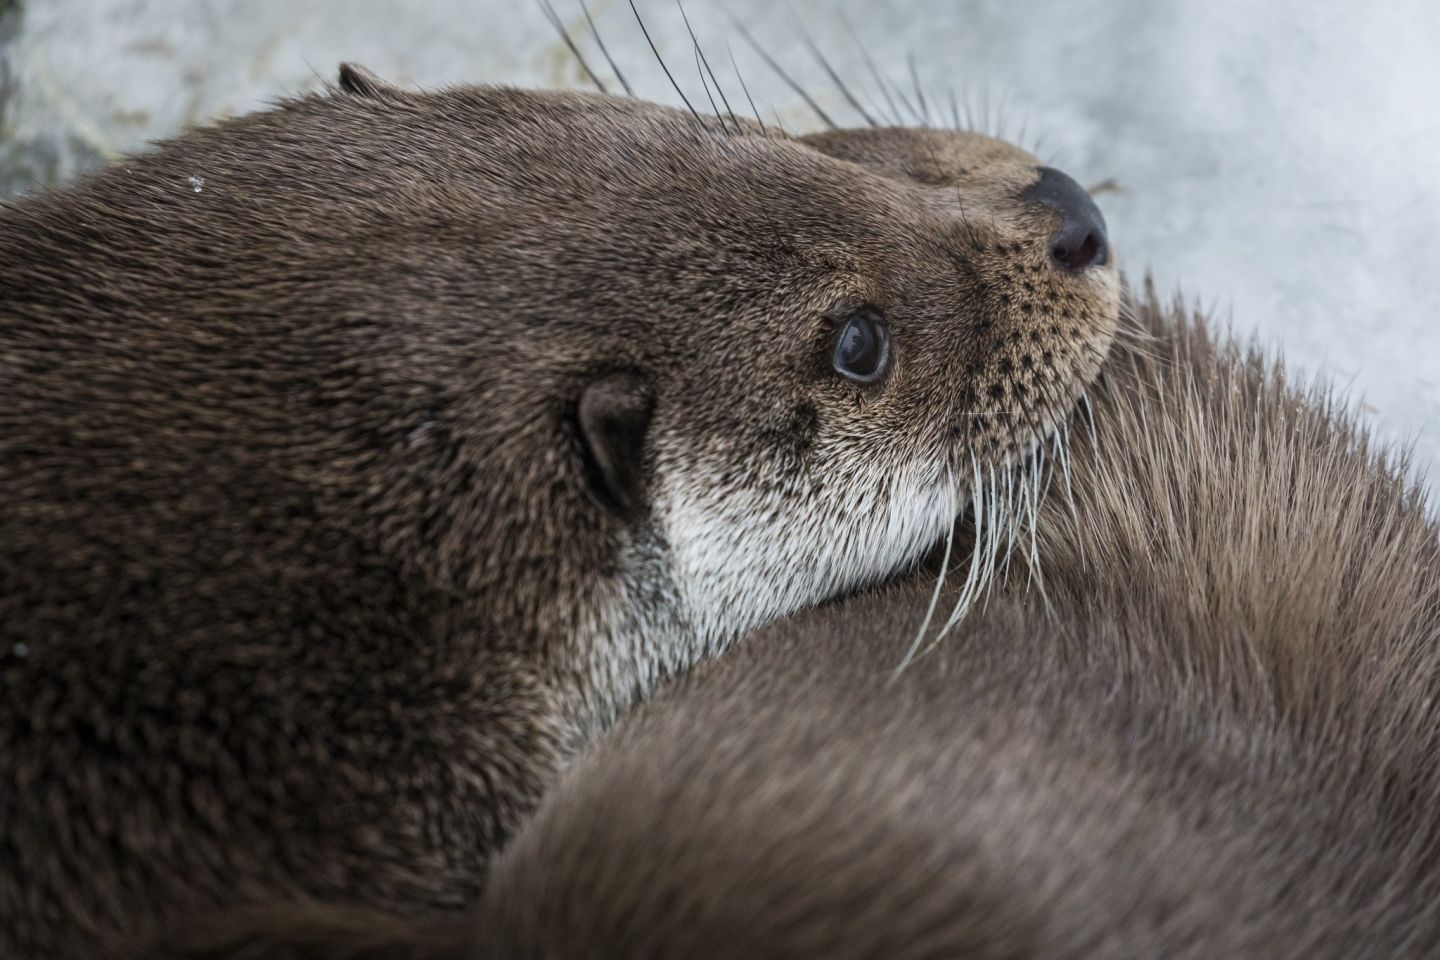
x: 744, y: 558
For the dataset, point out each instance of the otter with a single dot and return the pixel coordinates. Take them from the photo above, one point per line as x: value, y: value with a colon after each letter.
x: 366, y: 457
x: 1213, y: 734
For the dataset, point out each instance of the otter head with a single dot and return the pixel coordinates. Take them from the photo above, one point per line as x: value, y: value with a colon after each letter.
x: 784, y: 360
x: 779, y: 362
x: 874, y: 318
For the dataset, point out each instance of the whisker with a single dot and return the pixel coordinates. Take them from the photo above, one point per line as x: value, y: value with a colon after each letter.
x: 895, y: 115
x: 743, y: 86
x: 982, y: 556
x: 919, y: 90
x: 1002, y: 512
x: 835, y: 78
x: 1036, y: 490
x: 780, y: 72
x: 1133, y: 324
x: 1063, y: 454
x: 605, y: 51
x: 1132, y: 335
x: 1090, y: 420
x: 909, y: 107
x: 1088, y: 522
x: 875, y: 107
x: 1012, y: 525
x: 1007, y: 517
x: 1039, y: 148
x: 977, y: 514
x: 661, y: 60
x: 705, y: 61
x: 934, y: 597
x: 1024, y: 124
x: 559, y: 26
x: 704, y: 85
x: 776, y: 114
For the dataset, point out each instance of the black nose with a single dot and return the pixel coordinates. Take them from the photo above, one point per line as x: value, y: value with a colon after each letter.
x: 1080, y: 241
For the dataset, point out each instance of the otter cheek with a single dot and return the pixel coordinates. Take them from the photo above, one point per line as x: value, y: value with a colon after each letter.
x: 753, y: 551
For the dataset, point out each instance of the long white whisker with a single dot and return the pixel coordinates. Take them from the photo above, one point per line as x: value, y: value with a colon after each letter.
x: 934, y: 596
x: 1000, y: 513
x: 972, y: 578
x: 1038, y: 487
x: 1063, y: 449
x: 1090, y: 420
x: 984, y: 494
x: 1032, y: 484
x: 1012, y: 521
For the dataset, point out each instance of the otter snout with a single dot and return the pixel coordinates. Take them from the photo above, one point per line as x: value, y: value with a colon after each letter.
x: 1080, y: 242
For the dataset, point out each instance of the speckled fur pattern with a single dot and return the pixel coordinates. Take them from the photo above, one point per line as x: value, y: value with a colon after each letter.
x: 306, y: 588
x: 1216, y: 735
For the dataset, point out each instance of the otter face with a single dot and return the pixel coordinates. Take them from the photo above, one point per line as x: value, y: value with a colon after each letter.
x: 924, y: 306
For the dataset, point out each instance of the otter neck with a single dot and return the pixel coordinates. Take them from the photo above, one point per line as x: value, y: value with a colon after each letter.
x: 629, y: 633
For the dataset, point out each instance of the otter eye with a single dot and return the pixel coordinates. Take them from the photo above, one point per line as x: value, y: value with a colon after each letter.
x: 862, y: 348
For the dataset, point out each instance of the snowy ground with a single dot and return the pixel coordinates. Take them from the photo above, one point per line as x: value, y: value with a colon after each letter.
x: 1277, y: 161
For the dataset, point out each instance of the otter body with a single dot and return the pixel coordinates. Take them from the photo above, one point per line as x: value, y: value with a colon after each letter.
x: 366, y: 457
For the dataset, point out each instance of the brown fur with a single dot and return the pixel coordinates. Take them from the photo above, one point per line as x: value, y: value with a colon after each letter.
x: 1219, y: 739
x: 364, y: 457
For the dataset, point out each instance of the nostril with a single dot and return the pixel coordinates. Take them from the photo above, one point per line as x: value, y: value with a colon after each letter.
x: 1078, y: 246
x: 1080, y: 241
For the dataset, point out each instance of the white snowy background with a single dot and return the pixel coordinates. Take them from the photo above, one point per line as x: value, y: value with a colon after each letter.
x: 1276, y: 161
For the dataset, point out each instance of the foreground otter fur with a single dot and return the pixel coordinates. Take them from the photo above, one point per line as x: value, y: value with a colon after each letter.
x: 364, y: 457
x: 1220, y: 738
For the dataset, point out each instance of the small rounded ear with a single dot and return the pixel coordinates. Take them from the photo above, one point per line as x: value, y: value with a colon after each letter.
x: 359, y: 82
x: 614, y: 416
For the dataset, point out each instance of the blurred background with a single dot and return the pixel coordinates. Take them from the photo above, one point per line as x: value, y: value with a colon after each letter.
x: 1278, y: 162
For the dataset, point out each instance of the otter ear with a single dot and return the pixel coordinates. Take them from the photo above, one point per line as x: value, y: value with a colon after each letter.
x: 359, y: 82
x: 614, y: 416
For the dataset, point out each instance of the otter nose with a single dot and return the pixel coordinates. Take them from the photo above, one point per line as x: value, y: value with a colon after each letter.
x: 1080, y: 241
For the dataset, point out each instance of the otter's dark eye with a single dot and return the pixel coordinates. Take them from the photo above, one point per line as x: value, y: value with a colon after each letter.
x: 862, y: 348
